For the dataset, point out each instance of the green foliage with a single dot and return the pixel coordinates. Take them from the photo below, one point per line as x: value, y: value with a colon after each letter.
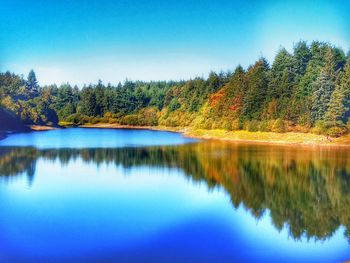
x: 279, y: 126
x: 307, y: 89
x: 330, y: 128
x: 77, y: 119
x: 32, y: 84
x: 337, y: 131
x: 257, y: 83
x: 146, y: 117
x: 174, y: 105
x: 323, y: 87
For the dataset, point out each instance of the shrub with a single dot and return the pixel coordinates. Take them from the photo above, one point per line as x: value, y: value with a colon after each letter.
x: 208, y: 124
x: 333, y: 129
x: 95, y: 120
x: 77, y: 119
x: 264, y: 126
x: 279, y: 126
x: 319, y: 128
x: 104, y: 119
x: 251, y: 126
x: 149, y: 117
x: 112, y: 121
x: 236, y: 125
x: 336, y: 131
x: 131, y: 119
x: 108, y: 114
x: 305, y: 121
x: 227, y: 125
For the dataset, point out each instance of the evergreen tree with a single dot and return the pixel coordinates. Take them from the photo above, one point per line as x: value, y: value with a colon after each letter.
x: 88, y: 101
x: 345, y: 87
x: 257, y: 83
x: 64, y: 96
x: 301, y: 56
x: 214, y: 82
x: 99, y: 97
x: 32, y: 84
x: 309, y: 85
x: 336, y: 106
x: 323, y: 88
x: 281, y: 82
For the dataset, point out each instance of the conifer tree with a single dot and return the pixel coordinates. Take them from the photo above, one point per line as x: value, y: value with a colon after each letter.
x: 301, y: 56
x: 336, y: 106
x: 345, y: 87
x: 323, y: 88
x: 31, y: 87
x: 257, y: 82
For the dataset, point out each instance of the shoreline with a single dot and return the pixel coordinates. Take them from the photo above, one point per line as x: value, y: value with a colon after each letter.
x: 267, y: 138
x: 43, y: 128
x: 263, y: 138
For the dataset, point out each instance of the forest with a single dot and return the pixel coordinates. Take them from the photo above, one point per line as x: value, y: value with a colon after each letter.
x: 306, y: 90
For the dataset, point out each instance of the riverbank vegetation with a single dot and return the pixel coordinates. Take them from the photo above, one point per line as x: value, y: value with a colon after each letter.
x: 307, y: 90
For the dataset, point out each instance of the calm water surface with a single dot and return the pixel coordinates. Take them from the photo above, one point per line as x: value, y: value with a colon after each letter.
x: 148, y: 196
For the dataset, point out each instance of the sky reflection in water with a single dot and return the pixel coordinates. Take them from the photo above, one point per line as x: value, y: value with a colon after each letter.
x: 174, y: 204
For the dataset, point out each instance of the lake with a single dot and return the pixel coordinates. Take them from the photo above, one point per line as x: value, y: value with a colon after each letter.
x: 103, y: 195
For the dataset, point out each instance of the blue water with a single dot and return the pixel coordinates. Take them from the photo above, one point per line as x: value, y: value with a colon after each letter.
x: 94, y: 138
x: 149, y: 203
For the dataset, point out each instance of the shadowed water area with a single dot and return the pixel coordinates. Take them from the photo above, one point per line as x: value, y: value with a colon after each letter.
x: 148, y: 196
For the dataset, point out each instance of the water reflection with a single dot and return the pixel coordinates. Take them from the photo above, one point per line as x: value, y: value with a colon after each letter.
x: 305, y: 190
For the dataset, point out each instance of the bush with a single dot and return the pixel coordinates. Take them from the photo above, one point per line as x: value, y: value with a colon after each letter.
x: 95, y: 120
x: 279, y: 126
x: 305, y: 121
x: 149, y: 117
x: 77, y: 119
x: 112, y: 121
x: 333, y: 129
x: 252, y: 126
x: 264, y: 126
x: 104, y: 120
x: 227, y: 125
x: 320, y: 127
x: 337, y: 131
x: 236, y: 125
x: 108, y: 114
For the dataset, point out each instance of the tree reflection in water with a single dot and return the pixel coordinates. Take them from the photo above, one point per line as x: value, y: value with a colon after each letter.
x: 306, y: 190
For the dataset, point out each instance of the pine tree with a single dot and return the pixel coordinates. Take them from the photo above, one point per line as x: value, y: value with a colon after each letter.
x: 281, y: 75
x: 345, y: 87
x: 323, y: 88
x: 301, y: 56
x: 32, y: 84
x: 88, y: 101
x: 336, y: 106
x: 257, y: 83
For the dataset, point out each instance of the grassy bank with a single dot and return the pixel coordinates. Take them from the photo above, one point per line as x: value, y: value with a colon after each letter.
x: 288, y: 138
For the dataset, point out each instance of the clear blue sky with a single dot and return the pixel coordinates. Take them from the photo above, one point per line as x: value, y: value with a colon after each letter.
x: 83, y: 41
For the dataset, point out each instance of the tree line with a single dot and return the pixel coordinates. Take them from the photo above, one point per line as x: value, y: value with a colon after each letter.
x: 307, y: 90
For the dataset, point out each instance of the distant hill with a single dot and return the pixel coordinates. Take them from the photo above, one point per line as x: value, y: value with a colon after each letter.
x: 10, y: 122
